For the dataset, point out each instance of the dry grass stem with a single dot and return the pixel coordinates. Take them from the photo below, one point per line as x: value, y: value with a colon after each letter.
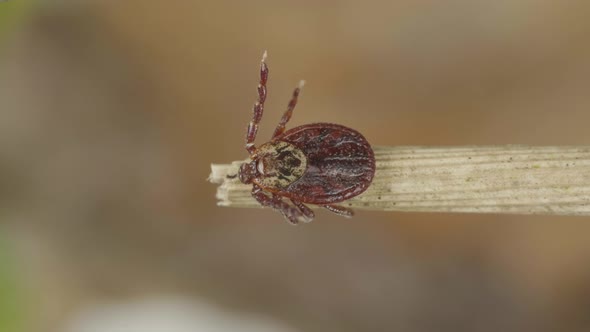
x: 481, y: 179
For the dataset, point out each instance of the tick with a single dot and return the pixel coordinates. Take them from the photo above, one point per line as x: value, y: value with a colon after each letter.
x: 319, y: 163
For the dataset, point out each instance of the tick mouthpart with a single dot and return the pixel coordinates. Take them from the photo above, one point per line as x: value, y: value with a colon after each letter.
x: 247, y: 172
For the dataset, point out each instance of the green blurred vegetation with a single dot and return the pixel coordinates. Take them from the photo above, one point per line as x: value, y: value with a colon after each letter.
x: 12, y: 12
x: 11, y: 316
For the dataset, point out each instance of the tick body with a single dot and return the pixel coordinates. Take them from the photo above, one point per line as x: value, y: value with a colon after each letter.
x: 318, y: 163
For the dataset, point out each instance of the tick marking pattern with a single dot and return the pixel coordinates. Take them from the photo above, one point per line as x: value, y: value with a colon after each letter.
x: 279, y: 165
x: 340, y: 163
x: 319, y: 163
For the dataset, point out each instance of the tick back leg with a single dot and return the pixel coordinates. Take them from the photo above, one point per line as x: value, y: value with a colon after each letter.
x: 258, y: 108
x: 289, y: 112
x: 305, y: 210
x: 292, y: 214
x: 340, y: 210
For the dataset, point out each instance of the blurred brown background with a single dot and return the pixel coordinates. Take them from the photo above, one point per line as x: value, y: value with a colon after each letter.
x: 112, y: 111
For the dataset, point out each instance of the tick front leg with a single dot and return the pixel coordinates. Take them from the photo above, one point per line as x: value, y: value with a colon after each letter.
x: 258, y: 108
x: 289, y: 112
x: 305, y: 210
x: 340, y: 210
x: 292, y: 214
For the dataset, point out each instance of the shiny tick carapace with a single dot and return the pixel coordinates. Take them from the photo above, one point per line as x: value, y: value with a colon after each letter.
x: 319, y: 163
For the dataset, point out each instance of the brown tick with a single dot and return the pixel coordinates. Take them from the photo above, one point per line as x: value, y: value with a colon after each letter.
x: 318, y: 163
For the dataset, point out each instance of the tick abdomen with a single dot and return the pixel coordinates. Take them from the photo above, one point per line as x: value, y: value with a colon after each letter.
x: 340, y: 163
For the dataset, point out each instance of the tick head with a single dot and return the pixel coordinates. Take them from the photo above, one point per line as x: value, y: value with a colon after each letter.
x: 247, y: 172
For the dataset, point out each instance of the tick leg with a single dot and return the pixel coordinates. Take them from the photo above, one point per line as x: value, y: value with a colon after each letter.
x: 258, y: 108
x: 287, y: 115
x: 304, y: 209
x: 292, y: 214
x: 341, y: 210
